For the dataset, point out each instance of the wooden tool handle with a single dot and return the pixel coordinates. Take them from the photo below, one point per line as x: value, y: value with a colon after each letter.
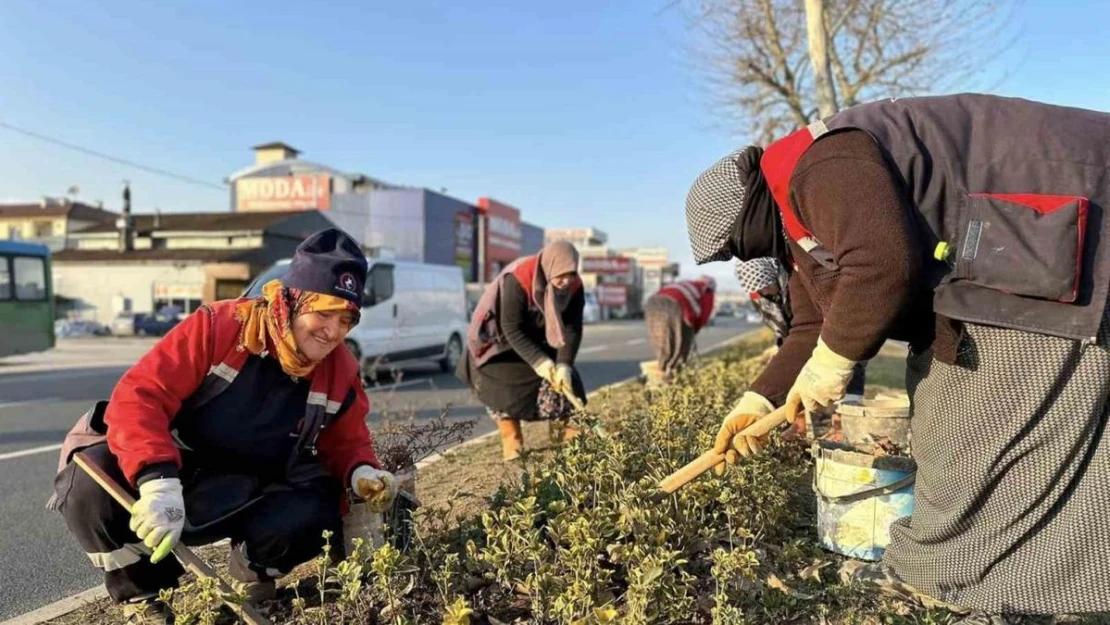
x: 574, y: 401
x: 105, y: 481
x: 710, y: 459
x: 190, y: 560
x: 688, y: 473
x: 763, y: 426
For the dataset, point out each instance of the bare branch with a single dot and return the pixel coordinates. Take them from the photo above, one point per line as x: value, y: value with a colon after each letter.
x: 753, y: 55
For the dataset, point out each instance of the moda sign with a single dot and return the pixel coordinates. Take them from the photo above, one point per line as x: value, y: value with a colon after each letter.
x: 283, y: 193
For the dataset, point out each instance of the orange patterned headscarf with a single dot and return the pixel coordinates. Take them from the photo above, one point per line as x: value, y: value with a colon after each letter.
x: 268, y: 320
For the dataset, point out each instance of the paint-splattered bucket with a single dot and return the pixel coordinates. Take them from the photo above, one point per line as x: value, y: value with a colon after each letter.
x: 858, y: 497
x: 866, y: 421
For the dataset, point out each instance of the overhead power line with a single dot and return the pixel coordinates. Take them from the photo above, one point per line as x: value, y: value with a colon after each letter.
x: 114, y: 159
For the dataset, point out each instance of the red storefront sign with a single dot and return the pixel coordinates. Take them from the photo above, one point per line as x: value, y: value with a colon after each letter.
x: 611, y: 265
x: 279, y: 193
x: 502, y: 240
x: 613, y: 295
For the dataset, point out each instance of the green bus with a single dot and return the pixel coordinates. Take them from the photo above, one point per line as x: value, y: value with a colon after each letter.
x: 26, y: 298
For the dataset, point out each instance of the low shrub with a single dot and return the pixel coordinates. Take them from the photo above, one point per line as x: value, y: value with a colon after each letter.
x: 584, y: 536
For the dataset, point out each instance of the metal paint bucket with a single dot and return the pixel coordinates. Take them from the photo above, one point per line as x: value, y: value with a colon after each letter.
x: 859, y: 496
x: 864, y: 421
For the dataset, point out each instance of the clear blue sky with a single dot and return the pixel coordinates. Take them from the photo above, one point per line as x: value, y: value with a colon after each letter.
x: 579, y: 112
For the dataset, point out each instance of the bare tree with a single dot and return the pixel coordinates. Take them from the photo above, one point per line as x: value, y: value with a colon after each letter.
x: 819, y: 56
x: 758, y: 56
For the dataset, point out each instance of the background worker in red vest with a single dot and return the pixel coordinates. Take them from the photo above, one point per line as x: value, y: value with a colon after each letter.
x: 974, y: 228
x: 766, y: 281
x: 523, y: 341
x: 244, y: 422
x: 674, y: 315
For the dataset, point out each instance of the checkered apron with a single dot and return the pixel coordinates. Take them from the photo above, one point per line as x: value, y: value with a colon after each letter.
x: 1013, y: 491
x: 670, y: 338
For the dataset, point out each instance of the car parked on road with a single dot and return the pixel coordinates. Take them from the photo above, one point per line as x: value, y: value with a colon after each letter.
x: 411, y: 313
x: 71, y: 328
x: 157, y: 324
x: 128, y: 323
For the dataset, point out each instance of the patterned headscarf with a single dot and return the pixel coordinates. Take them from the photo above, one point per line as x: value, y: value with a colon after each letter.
x: 758, y: 274
x: 730, y: 211
x: 713, y: 207
x: 268, y: 320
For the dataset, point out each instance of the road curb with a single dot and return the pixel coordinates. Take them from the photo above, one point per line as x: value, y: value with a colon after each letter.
x: 79, y: 600
x: 60, y: 607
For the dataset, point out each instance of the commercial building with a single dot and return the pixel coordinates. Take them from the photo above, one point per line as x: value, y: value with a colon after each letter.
x: 412, y: 223
x: 653, y: 269
x: 176, y: 259
x: 622, y: 279
x: 531, y: 239
x: 50, y: 221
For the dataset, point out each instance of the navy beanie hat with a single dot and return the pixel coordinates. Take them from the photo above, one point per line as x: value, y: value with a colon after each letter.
x: 328, y: 262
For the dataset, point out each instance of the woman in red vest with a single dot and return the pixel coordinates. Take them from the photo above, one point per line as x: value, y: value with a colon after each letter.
x: 974, y: 228
x: 523, y: 341
x: 674, y: 315
x: 246, y: 421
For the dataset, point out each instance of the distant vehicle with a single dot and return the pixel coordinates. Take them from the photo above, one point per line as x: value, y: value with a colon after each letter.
x: 592, y: 311
x: 123, y: 324
x: 726, y: 310
x: 157, y: 324
x: 753, y: 316
x: 26, y: 298
x: 411, y: 313
x: 68, y: 328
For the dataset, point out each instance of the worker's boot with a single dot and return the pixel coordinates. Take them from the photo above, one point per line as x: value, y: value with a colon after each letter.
x: 512, y: 439
x: 148, y: 611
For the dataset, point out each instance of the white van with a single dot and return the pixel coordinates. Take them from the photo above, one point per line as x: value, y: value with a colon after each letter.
x: 411, y: 312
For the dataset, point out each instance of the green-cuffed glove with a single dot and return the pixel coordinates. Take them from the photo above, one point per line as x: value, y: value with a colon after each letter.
x: 158, y: 517
x: 751, y: 408
x: 822, y: 381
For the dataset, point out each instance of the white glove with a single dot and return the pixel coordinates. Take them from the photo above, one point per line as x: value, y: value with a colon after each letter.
x: 822, y: 381
x: 158, y: 517
x: 376, y: 487
x: 546, y: 371
x: 564, y: 379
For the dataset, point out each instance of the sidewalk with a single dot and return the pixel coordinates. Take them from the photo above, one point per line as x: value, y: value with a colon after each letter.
x: 80, y: 353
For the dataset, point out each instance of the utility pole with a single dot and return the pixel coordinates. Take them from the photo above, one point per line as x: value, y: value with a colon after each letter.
x: 126, y: 222
x: 819, y: 57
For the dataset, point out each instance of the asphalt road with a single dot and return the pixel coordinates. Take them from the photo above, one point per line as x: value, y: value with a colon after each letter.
x: 40, y: 562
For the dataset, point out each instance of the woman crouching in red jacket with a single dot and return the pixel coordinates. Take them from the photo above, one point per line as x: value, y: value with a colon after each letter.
x: 244, y: 422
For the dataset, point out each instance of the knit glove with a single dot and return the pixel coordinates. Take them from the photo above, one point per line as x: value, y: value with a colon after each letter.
x: 158, y: 517
x: 563, y: 381
x: 546, y: 370
x: 751, y: 407
x: 822, y: 381
x: 376, y: 487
